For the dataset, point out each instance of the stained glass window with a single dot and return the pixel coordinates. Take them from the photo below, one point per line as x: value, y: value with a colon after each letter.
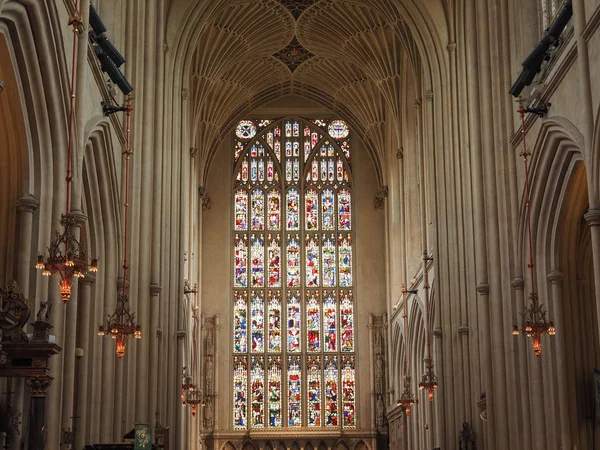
x: 257, y: 391
x: 293, y: 305
x: 240, y: 389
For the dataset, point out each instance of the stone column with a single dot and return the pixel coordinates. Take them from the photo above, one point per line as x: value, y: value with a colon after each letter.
x: 555, y: 278
x: 26, y: 206
x: 518, y: 285
x: 82, y: 382
x: 592, y: 217
x: 37, y: 429
x: 70, y: 336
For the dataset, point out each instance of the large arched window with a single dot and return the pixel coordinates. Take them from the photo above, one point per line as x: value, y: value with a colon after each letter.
x: 293, y: 280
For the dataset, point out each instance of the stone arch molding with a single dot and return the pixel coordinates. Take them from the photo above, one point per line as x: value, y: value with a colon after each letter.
x: 43, y: 97
x: 558, y: 144
x: 594, y: 170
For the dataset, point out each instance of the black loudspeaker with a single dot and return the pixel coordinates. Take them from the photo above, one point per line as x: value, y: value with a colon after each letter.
x: 95, y: 22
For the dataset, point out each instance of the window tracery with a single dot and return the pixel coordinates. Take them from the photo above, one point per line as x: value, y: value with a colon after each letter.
x: 293, y: 305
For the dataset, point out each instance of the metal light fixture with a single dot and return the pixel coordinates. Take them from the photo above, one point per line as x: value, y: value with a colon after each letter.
x: 534, y: 325
x: 406, y: 399
x: 428, y: 380
x: 121, y: 323
x: 186, y: 384
x: 67, y: 256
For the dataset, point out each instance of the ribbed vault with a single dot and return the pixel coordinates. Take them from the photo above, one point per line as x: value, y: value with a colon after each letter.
x: 234, y: 33
x: 354, y: 95
x: 360, y: 49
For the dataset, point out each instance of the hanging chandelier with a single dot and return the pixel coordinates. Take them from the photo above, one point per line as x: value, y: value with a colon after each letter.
x: 67, y: 256
x: 406, y: 399
x: 534, y: 323
x: 120, y: 325
x: 428, y: 379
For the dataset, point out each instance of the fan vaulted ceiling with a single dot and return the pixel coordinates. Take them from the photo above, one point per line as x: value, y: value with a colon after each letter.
x: 346, y: 55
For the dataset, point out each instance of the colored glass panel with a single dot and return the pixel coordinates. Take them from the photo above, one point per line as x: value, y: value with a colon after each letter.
x: 257, y: 213
x: 311, y: 210
x: 270, y: 171
x: 238, y: 150
x: 348, y: 395
x: 294, y: 393
x: 312, y: 261
x: 253, y: 170
x: 277, y: 149
x: 274, y: 262
x: 274, y: 322
x: 328, y: 249
x: 346, y: 321
x: 240, y: 395
x: 257, y: 392
x: 274, y: 210
x: 293, y: 210
x: 313, y: 377
x: 331, y: 393
x: 329, y: 322
x: 344, y: 210
x: 339, y: 170
x: 274, y: 393
x: 293, y: 323
x: 241, y: 262
x: 345, y: 262
x: 293, y: 263
x: 245, y: 129
x: 245, y: 171
x: 346, y: 149
x: 240, y: 323
x: 327, y: 207
x: 313, y: 323
x: 338, y: 129
x: 261, y: 170
x: 296, y: 170
x: 257, y: 313
x: 288, y: 170
x: 241, y: 210
x: 257, y: 255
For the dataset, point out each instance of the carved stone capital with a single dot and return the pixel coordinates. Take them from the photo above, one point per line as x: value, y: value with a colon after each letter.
x: 518, y: 283
x: 155, y: 289
x: 380, y: 197
x: 78, y: 217
x: 185, y: 94
x: 429, y: 95
x: 39, y: 385
x: 463, y: 330
x: 27, y: 203
x: 89, y: 279
x: 417, y: 103
x: 592, y: 217
x: 483, y: 288
x: 193, y: 152
x: 451, y: 46
x: 555, y: 277
x: 437, y: 333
